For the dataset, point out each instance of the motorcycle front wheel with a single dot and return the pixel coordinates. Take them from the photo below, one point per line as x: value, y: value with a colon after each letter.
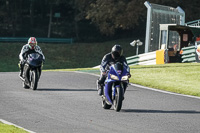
x: 34, y: 79
x: 118, y: 99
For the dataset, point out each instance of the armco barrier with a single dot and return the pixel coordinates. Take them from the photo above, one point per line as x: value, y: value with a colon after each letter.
x: 157, y: 57
x: 142, y: 59
x: 41, y: 40
x: 188, y: 54
x: 150, y: 58
x: 133, y: 60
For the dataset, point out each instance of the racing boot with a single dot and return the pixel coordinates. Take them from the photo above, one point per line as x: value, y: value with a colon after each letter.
x: 100, y: 84
x: 21, y: 71
x: 99, y: 88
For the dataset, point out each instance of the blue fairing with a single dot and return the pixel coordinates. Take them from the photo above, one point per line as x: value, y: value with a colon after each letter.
x: 107, y: 88
x: 111, y: 84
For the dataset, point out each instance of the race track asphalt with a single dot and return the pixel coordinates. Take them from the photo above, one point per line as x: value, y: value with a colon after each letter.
x: 67, y: 102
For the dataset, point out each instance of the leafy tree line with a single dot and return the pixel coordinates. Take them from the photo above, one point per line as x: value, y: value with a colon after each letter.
x: 81, y: 19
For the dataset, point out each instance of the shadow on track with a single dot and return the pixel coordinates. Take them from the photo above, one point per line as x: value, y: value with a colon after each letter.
x: 161, y: 111
x: 52, y: 89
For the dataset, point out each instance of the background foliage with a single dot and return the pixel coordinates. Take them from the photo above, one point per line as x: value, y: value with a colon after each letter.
x: 85, y: 20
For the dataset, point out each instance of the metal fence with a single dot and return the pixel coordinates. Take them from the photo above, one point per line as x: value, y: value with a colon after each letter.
x: 41, y: 40
x: 195, y: 23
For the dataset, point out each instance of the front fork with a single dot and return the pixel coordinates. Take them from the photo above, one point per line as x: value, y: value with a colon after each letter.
x: 31, y: 73
x: 109, y: 95
x: 121, y: 85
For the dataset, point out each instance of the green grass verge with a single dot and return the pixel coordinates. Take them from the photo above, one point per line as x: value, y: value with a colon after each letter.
x: 180, y: 78
x: 64, y: 56
x: 5, y: 128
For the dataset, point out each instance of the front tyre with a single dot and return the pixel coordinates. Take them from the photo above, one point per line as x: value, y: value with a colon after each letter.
x: 34, y: 79
x: 118, y: 98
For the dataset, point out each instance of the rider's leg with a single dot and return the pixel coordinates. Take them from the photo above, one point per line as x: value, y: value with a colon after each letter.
x: 100, y: 84
x: 21, y: 68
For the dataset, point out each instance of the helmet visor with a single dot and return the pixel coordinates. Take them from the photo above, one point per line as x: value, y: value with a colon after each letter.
x: 32, y: 45
x: 116, y: 55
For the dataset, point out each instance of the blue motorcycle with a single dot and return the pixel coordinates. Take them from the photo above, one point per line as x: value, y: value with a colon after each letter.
x: 115, y: 85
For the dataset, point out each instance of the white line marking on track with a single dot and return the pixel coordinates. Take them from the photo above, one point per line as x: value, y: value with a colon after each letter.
x: 172, y: 93
x: 9, y: 123
x: 148, y: 88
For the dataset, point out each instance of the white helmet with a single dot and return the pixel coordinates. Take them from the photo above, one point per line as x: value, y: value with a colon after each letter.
x: 32, y: 42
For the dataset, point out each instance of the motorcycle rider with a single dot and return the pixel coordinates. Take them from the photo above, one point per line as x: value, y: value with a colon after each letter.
x: 27, y: 49
x: 116, y: 55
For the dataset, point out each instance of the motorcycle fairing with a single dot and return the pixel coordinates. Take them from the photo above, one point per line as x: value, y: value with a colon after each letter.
x: 110, y: 84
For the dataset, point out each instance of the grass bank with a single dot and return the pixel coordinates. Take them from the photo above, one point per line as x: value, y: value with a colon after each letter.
x: 63, y: 56
x: 5, y: 128
x: 180, y: 78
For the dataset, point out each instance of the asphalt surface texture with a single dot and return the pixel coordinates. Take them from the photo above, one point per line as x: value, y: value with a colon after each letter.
x: 67, y: 102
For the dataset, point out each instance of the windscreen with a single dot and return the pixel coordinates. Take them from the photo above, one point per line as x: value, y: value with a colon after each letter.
x: 119, y: 67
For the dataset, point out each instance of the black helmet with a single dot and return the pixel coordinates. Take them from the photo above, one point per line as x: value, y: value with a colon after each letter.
x: 116, y: 52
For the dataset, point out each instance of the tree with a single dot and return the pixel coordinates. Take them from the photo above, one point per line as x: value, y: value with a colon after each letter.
x: 79, y: 13
x: 12, y: 16
x: 110, y: 15
x: 36, y: 17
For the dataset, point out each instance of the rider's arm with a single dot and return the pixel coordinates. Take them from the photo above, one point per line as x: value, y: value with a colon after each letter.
x: 103, y: 65
x: 126, y: 64
x: 23, y: 51
x: 38, y: 50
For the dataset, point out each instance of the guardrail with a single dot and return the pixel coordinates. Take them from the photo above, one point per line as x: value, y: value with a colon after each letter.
x: 158, y: 57
x: 41, y: 40
x: 151, y: 58
x: 142, y: 59
x: 188, y: 54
